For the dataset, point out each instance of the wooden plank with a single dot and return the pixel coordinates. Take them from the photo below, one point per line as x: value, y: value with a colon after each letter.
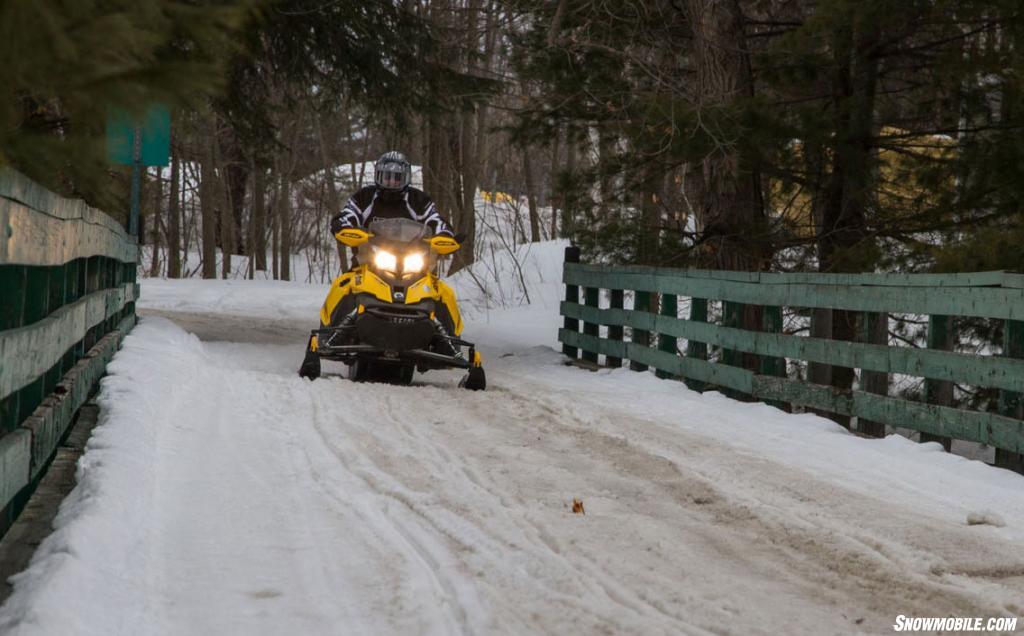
x: 716, y: 374
x: 985, y: 302
x: 990, y: 371
x: 615, y: 332
x: 968, y: 279
x: 695, y: 349
x: 974, y: 426
x: 591, y: 296
x: 39, y: 227
x: 641, y: 336
x: 41, y: 239
x: 572, y: 296
x: 15, y: 463
x: 940, y: 336
x: 28, y: 352
x: 1011, y: 403
x: 12, y: 289
x: 875, y: 330
x: 666, y: 342
x: 50, y: 421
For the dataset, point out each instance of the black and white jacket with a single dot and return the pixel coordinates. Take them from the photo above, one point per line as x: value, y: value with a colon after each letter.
x: 371, y: 203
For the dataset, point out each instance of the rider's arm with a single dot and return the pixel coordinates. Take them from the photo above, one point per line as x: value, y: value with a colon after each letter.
x: 422, y: 208
x: 352, y: 215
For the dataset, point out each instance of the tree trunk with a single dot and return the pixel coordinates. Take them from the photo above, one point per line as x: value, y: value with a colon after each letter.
x: 227, y: 221
x: 258, y: 222
x: 284, y: 224
x: 333, y: 198
x: 843, y: 241
x: 729, y: 204
x: 154, y: 265
x: 556, y: 148
x: 208, y: 199
x: 531, y: 196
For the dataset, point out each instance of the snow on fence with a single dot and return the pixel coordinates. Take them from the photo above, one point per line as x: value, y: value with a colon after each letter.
x: 67, y: 297
x: 656, y: 329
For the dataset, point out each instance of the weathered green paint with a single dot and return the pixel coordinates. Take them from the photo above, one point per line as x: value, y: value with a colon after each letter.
x: 938, y: 392
x: 732, y: 318
x: 993, y: 371
x: 716, y: 374
x: 15, y: 463
x: 28, y: 352
x: 615, y: 332
x: 641, y: 337
x: 1011, y: 403
x: 988, y: 294
x: 771, y: 322
x: 666, y: 342
x: 874, y: 330
x: 973, y: 426
x: 985, y: 302
x: 697, y: 349
x: 50, y: 421
x: 970, y: 279
x: 591, y: 296
x: 61, y: 270
x: 12, y: 290
x: 572, y: 295
x: 42, y: 229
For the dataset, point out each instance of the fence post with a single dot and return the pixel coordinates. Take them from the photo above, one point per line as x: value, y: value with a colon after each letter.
x: 1011, y: 403
x: 940, y: 392
x: 875, y: 330
x: 669, y: 307
x: 732, y: 316
x: 572, y: 295
x: 591, y: 296
x: 771, y: 322
x: 698, y: 350
x: 641, y: 302
x: 615, y: 331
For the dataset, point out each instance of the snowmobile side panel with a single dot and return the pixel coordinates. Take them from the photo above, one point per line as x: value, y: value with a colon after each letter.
x: 447, y: 295
x: 340, y: 287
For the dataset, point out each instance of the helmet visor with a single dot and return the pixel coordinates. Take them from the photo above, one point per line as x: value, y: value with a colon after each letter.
x: 392, y: 176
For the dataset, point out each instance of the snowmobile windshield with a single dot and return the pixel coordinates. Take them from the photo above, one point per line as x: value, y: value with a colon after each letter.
x: 398, y: 230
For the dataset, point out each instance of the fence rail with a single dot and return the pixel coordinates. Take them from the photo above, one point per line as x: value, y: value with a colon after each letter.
x: 67, y: 297
x: 753, y: 362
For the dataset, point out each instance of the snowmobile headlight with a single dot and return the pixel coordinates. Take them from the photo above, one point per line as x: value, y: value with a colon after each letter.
x: 413, y: 263
x: 385, y: 261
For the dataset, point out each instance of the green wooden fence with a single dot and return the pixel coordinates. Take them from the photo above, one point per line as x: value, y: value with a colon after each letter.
x: 678, y: 347
x: 67, y: 297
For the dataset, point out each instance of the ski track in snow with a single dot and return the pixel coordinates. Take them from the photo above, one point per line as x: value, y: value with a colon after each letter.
x: 221, y: 494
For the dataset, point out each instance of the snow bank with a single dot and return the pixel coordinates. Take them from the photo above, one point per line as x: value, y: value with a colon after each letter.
x: 99, y: 554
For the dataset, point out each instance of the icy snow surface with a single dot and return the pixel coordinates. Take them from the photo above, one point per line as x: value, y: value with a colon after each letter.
x: 221, y: 494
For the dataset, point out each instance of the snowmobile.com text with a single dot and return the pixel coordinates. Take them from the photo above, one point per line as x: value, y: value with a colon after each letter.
x: 950, y: 624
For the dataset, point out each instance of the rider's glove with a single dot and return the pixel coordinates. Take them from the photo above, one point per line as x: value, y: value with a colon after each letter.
x: 443, y: 244
x: 352, y: 236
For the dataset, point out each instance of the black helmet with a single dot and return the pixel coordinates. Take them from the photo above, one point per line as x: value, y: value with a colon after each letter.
x: 392, y: 171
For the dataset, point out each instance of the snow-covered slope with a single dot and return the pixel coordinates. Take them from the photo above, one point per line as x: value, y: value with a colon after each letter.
x: 222, y: 494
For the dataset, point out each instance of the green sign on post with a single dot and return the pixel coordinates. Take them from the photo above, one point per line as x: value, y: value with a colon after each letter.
x: 139, y: 141
x: 155, y: 141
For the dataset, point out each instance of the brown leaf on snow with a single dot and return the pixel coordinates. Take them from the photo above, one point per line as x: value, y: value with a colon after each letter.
x: 577, y: 506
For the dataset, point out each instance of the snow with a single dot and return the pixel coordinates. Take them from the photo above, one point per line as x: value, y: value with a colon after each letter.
x: 222, y: 494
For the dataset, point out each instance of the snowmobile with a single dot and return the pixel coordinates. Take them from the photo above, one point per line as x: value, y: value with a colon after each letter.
x: 391, y: 315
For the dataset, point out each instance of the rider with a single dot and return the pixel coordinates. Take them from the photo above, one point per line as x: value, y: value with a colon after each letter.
x: 391, y: 196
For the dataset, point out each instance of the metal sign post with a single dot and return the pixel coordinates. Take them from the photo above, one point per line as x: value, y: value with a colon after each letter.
x: 139, y: 142
x: 133, y: 219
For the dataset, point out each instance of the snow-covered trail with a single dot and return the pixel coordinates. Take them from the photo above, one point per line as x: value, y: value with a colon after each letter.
x: 224, y: 495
